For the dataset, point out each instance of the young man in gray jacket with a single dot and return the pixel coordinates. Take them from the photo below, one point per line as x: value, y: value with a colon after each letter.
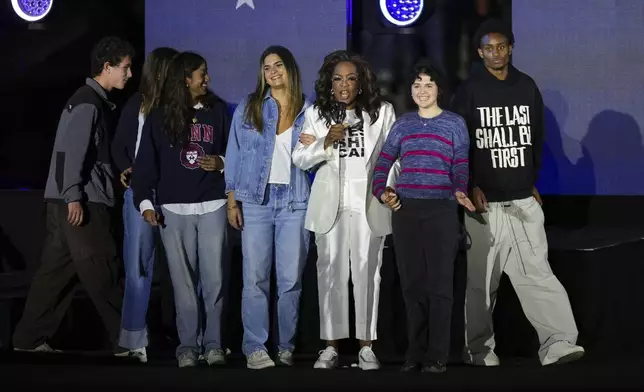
x: 79, y: 198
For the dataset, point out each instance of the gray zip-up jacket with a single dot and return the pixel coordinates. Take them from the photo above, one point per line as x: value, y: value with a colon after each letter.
x: 81, y: 168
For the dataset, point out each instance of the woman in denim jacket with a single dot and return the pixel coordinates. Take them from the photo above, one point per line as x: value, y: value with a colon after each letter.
x: 267, y: 200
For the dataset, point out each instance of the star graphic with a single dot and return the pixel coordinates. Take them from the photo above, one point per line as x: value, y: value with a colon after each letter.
x: 247, y: 2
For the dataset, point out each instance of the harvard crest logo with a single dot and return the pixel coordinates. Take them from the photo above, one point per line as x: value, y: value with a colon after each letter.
x: 189, y: 155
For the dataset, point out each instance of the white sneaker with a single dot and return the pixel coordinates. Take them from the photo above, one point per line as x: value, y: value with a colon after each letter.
x: 483, y: 359
x: 259, y: 360
x: 562, y: 352
x: 139, y: 353
x: 328, y: 359
x: 215, y: 357
x: 187, y: 359
x: 43, y: 348
x: 285, y: 358
x: 367, y: 360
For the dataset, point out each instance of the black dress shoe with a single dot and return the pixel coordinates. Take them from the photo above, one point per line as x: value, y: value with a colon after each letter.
x: 433, y: 367
x: 410, y: 366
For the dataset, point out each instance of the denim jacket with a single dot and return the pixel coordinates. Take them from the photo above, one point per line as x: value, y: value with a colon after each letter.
x: 249, y: 155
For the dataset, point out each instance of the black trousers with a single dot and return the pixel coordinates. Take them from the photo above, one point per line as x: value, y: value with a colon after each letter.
x: 426, y: 233
x: 87, y: 253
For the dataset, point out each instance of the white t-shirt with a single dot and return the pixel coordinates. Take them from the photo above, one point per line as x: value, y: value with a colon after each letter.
x: 352, y: 164
x: 281, y: 163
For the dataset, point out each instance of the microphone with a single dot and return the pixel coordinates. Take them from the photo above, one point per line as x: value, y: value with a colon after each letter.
x: 338, y: 115
x: 338, y: 112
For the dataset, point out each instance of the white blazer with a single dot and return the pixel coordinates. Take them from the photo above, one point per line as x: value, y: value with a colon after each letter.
x: 324, y: 200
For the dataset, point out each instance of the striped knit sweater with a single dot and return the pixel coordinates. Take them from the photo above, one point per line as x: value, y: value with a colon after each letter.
x: 433, y: 154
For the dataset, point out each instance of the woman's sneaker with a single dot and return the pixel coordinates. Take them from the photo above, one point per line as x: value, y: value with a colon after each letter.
x: 285, y: 358
x: 367, y: 360
x: 328, y: 359
x: 215, y: 357
x: 187, y: 359
x: 259, y: 360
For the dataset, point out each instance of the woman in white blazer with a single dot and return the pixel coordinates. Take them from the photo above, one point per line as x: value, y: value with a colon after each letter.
x: 350, y: 122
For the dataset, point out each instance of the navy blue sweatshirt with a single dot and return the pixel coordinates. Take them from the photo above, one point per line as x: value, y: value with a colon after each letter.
x: 124, y: 143
x: 173, y: 171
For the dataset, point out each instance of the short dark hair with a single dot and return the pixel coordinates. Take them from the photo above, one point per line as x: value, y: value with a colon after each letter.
x: 492, y: 26
x: 111, y: 50
x: 424, y: 66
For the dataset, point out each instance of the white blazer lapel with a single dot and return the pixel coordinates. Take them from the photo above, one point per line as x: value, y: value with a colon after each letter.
x: 371, y: 136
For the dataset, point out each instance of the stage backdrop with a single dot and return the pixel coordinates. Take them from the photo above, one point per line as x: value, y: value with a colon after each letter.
x: 587, y: 56
x: 232, y: 34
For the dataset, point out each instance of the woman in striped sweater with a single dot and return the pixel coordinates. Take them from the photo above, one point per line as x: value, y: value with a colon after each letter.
x: 432, y: 146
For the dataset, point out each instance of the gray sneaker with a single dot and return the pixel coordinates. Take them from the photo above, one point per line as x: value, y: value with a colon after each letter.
x: 259, y: 360
x: 215, y: 357
x: 187, y: 359
x: 285, y: 358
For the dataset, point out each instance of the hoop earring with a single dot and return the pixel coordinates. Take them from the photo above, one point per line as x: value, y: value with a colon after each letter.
x: 359, y: 91
x: 332, y: 91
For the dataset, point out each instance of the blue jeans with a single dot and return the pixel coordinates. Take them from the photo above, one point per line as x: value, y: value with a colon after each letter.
x: 197, y: 255
x: 138, y: 256
x: 273, y: 226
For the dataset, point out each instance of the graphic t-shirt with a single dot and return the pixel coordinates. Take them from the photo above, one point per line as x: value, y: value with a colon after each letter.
x: 352, y: 165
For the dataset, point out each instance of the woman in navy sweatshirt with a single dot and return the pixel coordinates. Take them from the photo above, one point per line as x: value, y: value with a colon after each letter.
x: 139, y: 237
x: 180, y: 158
x: 432, y: 146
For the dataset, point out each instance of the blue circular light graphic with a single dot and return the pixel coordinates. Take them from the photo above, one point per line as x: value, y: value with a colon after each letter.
x: 401, y: 12
x: 32, y: 10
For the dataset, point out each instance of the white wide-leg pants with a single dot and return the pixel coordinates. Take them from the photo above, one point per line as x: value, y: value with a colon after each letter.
x: 349, y: 249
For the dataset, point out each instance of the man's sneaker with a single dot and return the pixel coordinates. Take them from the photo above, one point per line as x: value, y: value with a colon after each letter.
x: 562, y: 352
x: 215, y: 357
x: 328, y: 359
x: 483, y: 359
x: 43, y: 348
x: 285, y: 358
x: 138, y: 353
x: 259, y: 360
x: 367, y: 359
x: 187, y: 359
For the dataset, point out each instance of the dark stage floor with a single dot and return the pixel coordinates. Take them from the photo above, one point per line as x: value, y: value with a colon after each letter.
x: 95, y: 372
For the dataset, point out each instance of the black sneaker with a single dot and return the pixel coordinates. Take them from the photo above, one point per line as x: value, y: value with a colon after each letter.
x: 410, y: 367
x: 433, y: 367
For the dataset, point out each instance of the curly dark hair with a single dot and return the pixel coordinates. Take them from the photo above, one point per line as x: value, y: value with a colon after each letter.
x: 424, y: 66
x: 111, y: 50
x: 176, y: 101
x: 369, y: 100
